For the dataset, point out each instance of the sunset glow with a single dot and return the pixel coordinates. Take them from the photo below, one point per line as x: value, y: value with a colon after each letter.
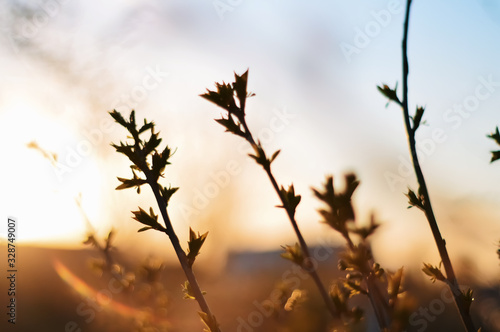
x: 272, y: 161
x: 40, y: 194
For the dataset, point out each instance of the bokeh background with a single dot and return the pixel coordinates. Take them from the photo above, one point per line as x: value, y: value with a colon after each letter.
x: 314, y: 67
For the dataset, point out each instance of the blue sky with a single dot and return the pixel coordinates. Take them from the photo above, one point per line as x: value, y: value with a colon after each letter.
x: 66, y: 65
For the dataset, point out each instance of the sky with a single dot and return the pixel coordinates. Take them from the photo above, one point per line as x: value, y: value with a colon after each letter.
x: 314, y: 67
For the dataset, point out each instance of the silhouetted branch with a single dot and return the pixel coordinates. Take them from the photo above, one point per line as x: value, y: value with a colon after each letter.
x: 460, y: 300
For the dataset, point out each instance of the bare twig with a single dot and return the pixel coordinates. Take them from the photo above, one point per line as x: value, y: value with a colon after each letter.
x: 138, y: 153
x: 291, y: 216
x: 181, y: 255
x: 460, y: 300
x: 232, y: 98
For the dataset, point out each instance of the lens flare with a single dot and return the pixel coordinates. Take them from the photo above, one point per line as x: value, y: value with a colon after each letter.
x: 103, y: 298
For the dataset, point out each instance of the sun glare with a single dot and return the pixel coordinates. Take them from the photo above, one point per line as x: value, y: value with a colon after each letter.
x: 42, y: 197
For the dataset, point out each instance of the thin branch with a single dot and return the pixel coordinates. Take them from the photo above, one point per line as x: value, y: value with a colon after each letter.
x: 378, y: 300
x: 303, y: 245
x: 181, y: 255
x: 138, y: 153
x: 429, y: 213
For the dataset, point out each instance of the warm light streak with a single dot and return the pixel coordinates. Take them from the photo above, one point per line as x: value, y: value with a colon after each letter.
x: 104, y: 297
